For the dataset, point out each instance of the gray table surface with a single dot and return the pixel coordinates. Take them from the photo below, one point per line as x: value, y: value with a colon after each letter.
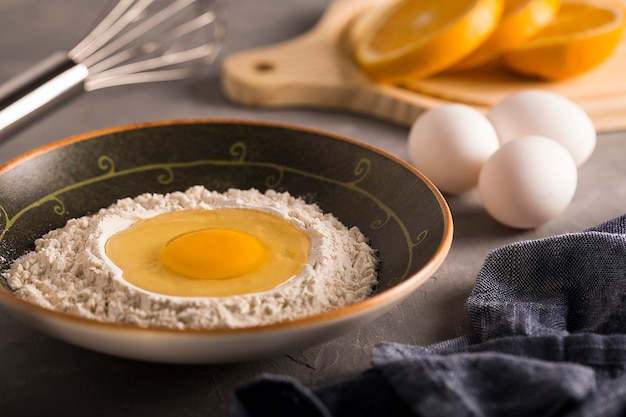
x: 43, y: 376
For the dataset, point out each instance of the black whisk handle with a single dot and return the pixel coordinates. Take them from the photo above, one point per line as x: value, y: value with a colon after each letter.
x: 31, y: 92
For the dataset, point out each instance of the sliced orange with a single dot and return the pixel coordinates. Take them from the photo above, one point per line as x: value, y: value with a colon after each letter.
x: 581, y: 37
x: 520, y: 20
x: 412, y: 39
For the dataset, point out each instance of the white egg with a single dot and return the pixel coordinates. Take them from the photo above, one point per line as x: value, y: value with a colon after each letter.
x: 449, y: 144
x: 528, y: 182
x: 543, y: 113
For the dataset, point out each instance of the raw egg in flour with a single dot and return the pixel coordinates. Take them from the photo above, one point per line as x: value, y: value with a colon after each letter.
x: 209, y: 253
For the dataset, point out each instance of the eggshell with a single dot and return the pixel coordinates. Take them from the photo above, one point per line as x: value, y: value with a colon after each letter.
x: 543, y: 113
x: 449, y: 144
x: 528, y: 182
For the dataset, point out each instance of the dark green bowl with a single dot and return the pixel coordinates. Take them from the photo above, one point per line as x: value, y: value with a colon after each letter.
x: 394, y: 205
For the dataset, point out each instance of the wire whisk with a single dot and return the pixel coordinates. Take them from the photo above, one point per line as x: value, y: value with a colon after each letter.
x: 138, y: 41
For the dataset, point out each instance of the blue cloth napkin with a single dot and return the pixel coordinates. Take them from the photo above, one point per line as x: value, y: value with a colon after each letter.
x: 549, y: 320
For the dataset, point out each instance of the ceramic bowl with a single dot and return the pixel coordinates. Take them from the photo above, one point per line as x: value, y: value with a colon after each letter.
x: 404, y: 216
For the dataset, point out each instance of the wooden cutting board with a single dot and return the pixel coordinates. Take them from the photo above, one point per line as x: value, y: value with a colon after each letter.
x: 316, y: 70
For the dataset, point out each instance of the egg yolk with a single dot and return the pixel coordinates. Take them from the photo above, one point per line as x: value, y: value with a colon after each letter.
x: 213, y: 253
x: 209, y: 253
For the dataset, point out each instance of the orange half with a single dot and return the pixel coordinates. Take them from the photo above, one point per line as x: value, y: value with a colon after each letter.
x: 581, y: 37
x: 520, y: 20
x: 410, y: 40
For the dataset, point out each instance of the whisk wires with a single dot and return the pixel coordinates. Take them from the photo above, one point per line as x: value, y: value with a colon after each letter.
x: 150, y: 40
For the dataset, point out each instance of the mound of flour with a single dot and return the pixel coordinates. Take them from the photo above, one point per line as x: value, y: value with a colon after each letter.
x: 68, y: 271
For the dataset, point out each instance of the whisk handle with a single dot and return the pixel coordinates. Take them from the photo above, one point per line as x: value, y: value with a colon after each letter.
x: 32, y: 91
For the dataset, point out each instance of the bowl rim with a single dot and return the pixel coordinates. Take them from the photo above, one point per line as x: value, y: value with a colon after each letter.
x: 377, y: 300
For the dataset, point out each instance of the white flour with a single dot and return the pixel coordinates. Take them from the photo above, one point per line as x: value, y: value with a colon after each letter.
x: 69, y: 271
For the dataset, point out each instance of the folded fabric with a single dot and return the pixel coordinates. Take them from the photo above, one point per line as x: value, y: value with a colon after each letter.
x: 549, y: 339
